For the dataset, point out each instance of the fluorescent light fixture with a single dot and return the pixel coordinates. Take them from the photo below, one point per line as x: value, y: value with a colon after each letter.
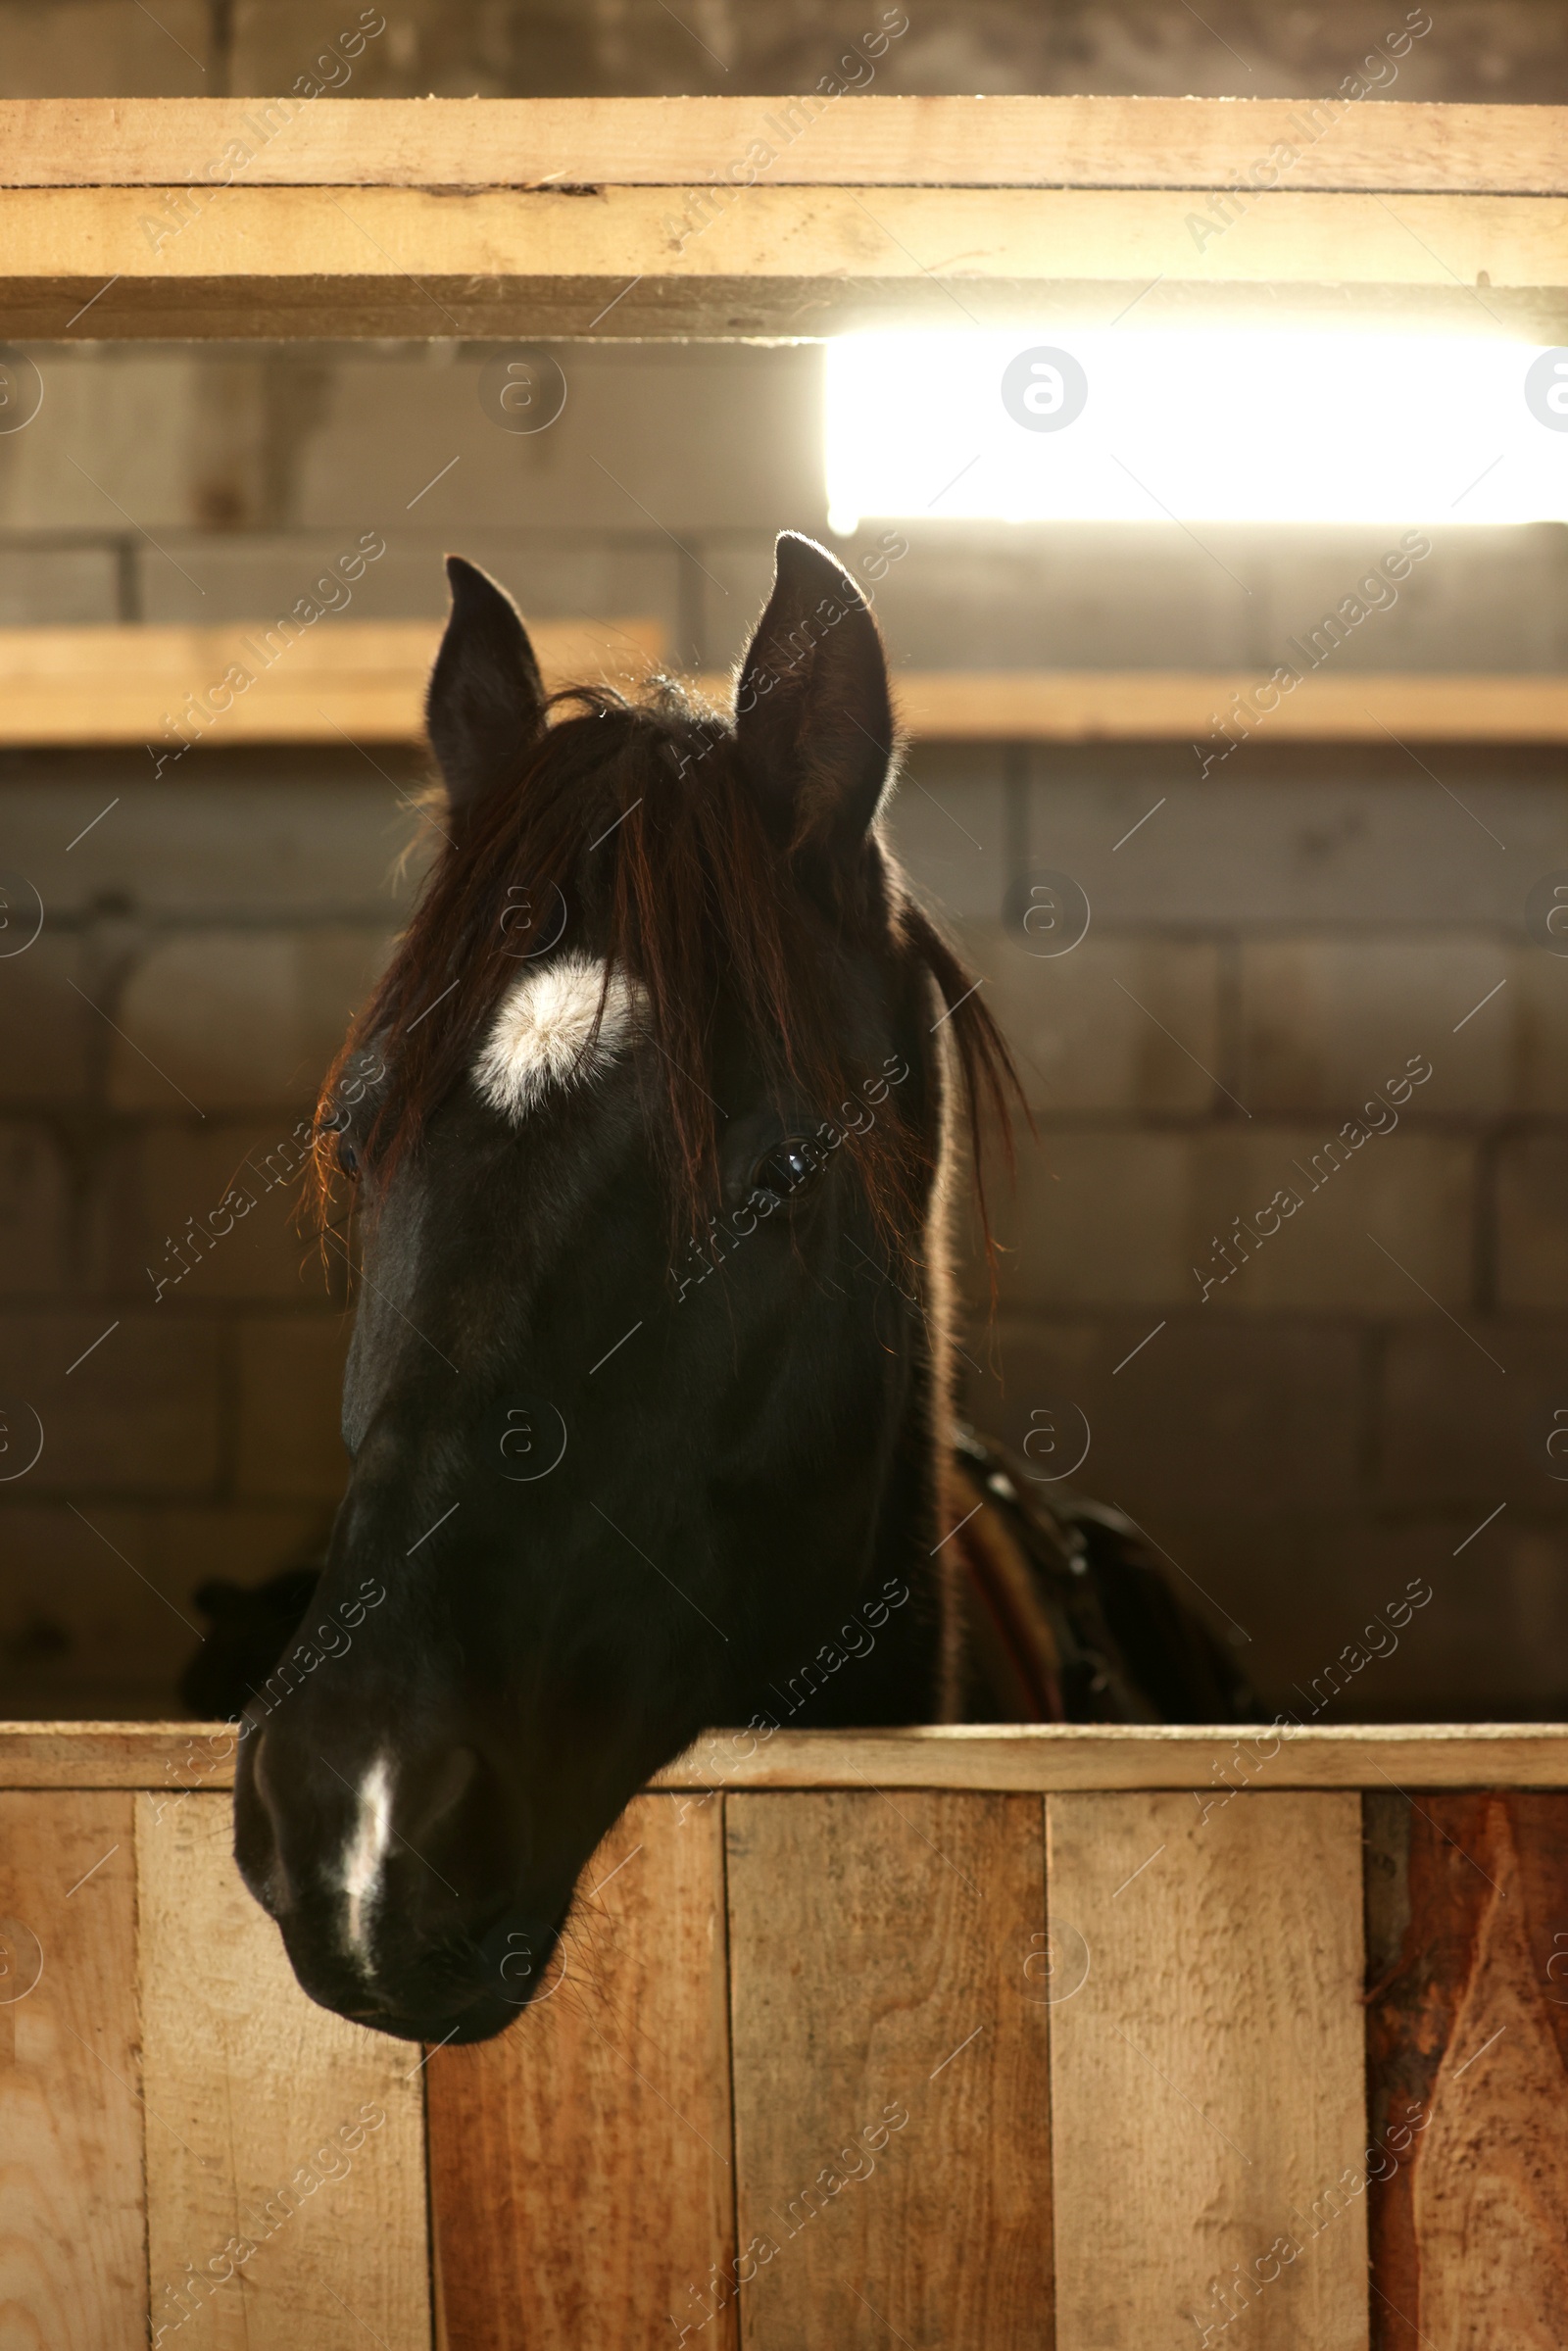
x: 1195, y: 425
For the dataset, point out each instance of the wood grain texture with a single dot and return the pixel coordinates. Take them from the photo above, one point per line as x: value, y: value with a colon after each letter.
x: 1208, y: 2071
x: 581, y: 2179
x: 1468, y: 2070
x: 878, y: 1955
x: 73, y: 2225
x: 364, y: 678
x: 367, y: 679
x: 108, y: 1754
x: 856, y: 142
x: 1088, y: 705
x: 1047, y: 1756
x: 1028, y: 1756
x: 304, y: 262
x: 272, y: 2126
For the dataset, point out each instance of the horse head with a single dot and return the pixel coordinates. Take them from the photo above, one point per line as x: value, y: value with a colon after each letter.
x: 646, y: 1126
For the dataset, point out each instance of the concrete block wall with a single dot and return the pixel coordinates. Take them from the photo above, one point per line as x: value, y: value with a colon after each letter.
x: 1265, y: 947
x: 1306, y: 1409
x: 160, y: 1045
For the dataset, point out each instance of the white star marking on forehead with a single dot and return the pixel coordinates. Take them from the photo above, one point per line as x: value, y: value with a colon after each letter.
x: 544, y: 1034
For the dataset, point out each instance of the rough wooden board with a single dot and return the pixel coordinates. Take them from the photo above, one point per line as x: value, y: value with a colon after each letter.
x: 878, y: 1956
x: 581, y: 2182
x: 1088, y: 705
x: 258, y: 2094
x: 1081, y: 1756
x: 784, y: 262
x: 1207, y: 2072
x: 1468, y: 2070
x: 732, y: 310
x: 363, y: 678
x: 116, y: 1754
x: 858, y: 140
x: 1027, y: 1757
x: 72, y: 2222
x: 367, y: 679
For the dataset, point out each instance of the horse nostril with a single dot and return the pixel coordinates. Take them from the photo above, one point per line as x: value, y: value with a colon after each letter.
x: 454, y: 1776
x: 454, y: 1816
x: 384, y: 1867
x: 270, y: 1798
x: 256, y: 1825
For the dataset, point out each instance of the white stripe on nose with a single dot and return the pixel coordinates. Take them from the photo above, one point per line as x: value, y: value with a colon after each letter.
x: 363, y: 1858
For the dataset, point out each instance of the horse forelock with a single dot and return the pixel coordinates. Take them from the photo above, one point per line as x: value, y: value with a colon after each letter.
x: 633, y: 843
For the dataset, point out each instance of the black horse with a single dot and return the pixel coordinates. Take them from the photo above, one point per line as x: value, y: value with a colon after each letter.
x: 654, y: 1123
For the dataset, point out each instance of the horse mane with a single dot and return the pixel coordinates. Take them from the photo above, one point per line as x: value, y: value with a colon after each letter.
x: 640, y: 815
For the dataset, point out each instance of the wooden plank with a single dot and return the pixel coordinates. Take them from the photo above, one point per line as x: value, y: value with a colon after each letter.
x: 890, y: 2115
x: 367, y: 679
x: 1150, y: 705
x: 314, y: 683
x: 1045, y: 1757
x: 1467, y: 2036
x: 581, y: 2182
x: 784, y: 262
x: 1017, y: 1760
x: 810, y: 140
x: 285, y: 2167
x: 1206, y: 2071
x: 72, y: 2244
x: 88, y: 1755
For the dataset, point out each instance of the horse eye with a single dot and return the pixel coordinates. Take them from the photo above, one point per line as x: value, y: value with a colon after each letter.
x: 785, y: 1170
x: 348, y: 1158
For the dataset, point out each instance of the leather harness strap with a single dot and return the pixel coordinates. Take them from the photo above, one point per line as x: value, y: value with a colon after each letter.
x: 1011, y: 1638
x: 1038, y: 1644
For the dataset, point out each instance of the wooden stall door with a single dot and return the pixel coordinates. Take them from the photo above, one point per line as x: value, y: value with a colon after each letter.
x: 1467, y: 1916
x: 581, y: 2180
x: 72, y: 2228
x: 1208, y: 2102
x: 270, y: 2124
x: 892, y: 2130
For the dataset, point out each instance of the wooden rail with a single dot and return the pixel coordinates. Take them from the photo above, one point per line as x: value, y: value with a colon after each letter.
x: 365, y: 680
x: 1020, y: 142
x: 761, y: 217
x: 1175, y: 2044
x: 1011, y: 1760
x: 1086, y: 706
x: 270, y: 681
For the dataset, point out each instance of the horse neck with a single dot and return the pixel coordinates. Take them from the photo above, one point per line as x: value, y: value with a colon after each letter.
x: 912, y: 1673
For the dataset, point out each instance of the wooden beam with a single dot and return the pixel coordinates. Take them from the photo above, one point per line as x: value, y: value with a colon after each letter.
x: 815, y: 140
x: 786, y: 264
x: 366, y: 679
x: 1050, y: 1759
x: 223, y: 219
x: 1083, y: 706
x: 1019, y: 1760
x: 327, y: 679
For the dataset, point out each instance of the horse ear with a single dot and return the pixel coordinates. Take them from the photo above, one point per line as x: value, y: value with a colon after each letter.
x: 485, y: 702
x: 814, y: 719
